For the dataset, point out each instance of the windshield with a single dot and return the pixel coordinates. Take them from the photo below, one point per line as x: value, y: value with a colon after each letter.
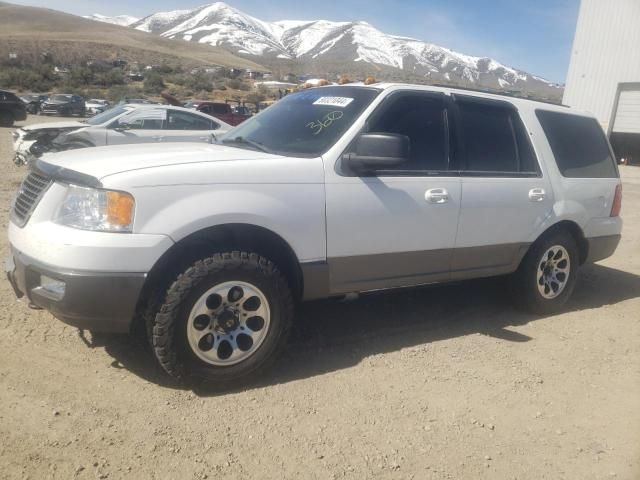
x: 306, y: 124
x: 107, y: 115
x: 61, y: 98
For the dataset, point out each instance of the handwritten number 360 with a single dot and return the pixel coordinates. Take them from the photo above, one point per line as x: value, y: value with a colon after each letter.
x: 319, y: 125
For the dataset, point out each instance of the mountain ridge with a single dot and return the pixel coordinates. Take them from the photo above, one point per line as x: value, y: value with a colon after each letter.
x: 323, y: 42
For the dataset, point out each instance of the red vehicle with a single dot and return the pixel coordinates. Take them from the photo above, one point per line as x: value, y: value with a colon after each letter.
x: 223, y: 111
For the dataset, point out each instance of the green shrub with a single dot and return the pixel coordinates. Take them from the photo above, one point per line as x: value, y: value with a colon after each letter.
x: 153, y: 82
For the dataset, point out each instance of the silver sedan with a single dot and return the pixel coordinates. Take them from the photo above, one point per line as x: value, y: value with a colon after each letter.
x: 122, y: 124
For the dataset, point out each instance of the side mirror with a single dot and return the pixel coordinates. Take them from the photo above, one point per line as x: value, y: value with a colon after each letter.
x: 122, y: 127
x: 378, y: 151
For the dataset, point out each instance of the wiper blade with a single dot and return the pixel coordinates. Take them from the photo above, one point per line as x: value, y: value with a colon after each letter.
x: 249, y: 143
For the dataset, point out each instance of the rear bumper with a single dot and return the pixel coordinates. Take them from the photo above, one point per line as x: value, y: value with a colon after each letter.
x: 602, y: 247
x: 96, y: 301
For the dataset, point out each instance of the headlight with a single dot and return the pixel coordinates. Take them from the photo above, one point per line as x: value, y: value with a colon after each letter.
x: 97, y: 210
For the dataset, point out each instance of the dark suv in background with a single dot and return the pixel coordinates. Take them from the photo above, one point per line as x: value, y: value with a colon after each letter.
x: 11, y: 109
x: 65, y: 105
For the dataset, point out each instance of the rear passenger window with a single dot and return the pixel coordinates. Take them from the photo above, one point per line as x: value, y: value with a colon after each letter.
x: 578, y: 144
x: 185, y: 121
x: 495, y: 140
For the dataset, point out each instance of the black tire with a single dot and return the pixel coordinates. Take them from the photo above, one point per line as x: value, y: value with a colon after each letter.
x: 527, y: 295
x: 6, y: 119
x: 169, y: 328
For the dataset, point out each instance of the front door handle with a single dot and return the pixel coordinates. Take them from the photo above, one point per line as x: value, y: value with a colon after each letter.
x: 158, y: 138
x: 537, y: 194
x: 437, y: 195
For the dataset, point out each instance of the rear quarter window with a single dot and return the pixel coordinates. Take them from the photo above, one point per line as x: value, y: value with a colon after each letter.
x: 579, y: 145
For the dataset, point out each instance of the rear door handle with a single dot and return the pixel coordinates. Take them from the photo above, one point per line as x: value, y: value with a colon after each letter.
x: 537, y: 194
x: 437, y: 195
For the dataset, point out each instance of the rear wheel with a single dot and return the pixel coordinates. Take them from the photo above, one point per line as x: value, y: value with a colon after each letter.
x: 225, y: 319
x: 547, y: 276
x: 6, y: 119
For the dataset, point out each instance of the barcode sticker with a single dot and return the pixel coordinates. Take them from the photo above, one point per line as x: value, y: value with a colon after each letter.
x: 341, y: 102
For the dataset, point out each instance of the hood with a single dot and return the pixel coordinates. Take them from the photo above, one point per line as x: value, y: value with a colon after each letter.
x: 68, y: 125
x: 100, y: 162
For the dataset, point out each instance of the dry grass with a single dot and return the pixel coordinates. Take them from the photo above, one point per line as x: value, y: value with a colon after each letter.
x: 29, y: 31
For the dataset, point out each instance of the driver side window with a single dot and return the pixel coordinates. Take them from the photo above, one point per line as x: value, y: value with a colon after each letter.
x: 421, y: 118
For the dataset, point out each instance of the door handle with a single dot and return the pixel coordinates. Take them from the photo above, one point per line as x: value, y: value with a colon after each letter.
x: 437, y: 195
x: 537, y: 194
x: 158, y: 138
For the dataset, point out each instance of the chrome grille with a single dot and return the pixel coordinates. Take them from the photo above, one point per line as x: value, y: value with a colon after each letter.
x: 30, y: 193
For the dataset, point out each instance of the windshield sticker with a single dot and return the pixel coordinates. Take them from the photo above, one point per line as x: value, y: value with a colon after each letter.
x: 319, y: 125
x: 341, y: 102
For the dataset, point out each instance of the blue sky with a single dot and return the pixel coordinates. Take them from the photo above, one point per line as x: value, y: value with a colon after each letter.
x: 533, y: 35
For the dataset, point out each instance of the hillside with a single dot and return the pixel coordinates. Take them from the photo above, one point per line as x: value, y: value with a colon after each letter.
x: 30, y: 31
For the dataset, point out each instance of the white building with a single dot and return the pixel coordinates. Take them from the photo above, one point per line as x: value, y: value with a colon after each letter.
x: 604, y: 75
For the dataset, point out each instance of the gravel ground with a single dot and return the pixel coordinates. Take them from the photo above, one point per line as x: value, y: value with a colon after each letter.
x: 442, y: 382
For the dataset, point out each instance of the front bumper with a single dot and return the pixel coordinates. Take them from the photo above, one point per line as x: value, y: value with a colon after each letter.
x: 49, y: 110
x: 22, y: 150
x: 96, y: 301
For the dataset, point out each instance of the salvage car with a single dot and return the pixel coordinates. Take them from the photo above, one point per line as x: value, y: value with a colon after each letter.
x: 34, y: 102
x: 119, y: 125
x: 338, y: 190
x: 12, y: 109
x: 64, y: 105
x: 222, y: 111
x: 95, y: 106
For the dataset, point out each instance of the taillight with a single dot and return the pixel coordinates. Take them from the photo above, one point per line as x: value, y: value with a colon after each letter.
x: 617, y: 202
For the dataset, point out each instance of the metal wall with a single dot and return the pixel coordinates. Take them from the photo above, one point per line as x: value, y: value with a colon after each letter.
x: 627, y: 113
x: 606, y: 52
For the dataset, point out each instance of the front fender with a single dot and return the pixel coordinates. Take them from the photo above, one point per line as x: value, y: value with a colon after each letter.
x: 295, y: 212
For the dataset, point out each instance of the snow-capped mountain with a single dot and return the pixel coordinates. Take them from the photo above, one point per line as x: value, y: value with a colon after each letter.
x: 122, y: 20
x: 321, y: 43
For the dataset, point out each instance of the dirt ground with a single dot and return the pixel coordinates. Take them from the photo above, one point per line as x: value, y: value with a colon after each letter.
x: 437, y: 383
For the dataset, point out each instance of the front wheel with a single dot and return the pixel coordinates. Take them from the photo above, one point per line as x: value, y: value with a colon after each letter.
x: 224, y: 319
x: 547, y: 276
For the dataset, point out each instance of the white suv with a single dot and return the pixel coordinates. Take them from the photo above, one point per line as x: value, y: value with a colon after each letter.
x: 331, y: 191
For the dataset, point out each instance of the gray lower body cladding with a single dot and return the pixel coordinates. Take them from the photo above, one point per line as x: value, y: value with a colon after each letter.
x: 106, y: 302
x: 602, y: 247
x: 97, y: 301
x: 362, y: 273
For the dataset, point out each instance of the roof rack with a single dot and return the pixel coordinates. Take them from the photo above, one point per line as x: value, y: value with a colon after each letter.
x: 502, y: 93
